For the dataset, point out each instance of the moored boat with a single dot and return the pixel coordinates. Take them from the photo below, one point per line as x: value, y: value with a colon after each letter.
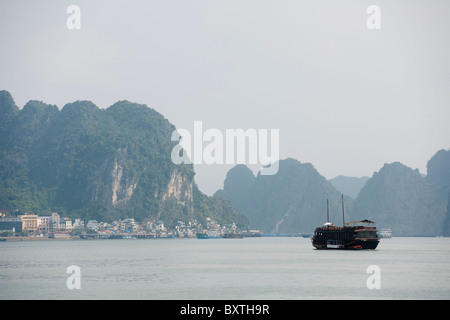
x: 209, y: 234
x: 385, y: 233
x: 202, y: 235
x: 233, y: 235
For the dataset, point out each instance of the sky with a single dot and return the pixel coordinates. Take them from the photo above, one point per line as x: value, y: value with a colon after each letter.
x: 346, y: 98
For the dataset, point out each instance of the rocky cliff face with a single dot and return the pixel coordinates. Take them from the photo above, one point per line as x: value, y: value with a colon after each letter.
x: 122, y: 189
x: 402, y: 199
x: 395, y: 197
x: 92, y: 163
x: 180, y: 188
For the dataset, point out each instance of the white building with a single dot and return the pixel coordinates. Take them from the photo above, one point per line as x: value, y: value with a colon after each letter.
x: 55, y: 220
x: 66, y: 224
x: 78, y: 224
x: 44, y: 224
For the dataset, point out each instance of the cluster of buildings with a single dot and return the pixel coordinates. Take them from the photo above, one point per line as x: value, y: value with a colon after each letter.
x: 55, y: 226
x: 151, y: 229
x: 33, y: 224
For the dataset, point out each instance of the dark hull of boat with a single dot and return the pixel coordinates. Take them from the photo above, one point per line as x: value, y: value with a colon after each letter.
x: 351, y: 245
x: 233, y: 236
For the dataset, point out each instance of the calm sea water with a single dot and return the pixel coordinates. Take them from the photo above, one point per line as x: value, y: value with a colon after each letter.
x: 226, y: 269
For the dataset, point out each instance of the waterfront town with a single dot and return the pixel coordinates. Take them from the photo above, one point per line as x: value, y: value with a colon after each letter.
x: 31, y: 226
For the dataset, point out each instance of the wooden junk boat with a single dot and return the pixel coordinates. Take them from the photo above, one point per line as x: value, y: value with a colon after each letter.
x: 353, y: 235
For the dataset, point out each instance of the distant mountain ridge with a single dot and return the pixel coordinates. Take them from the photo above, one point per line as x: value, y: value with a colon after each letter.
x: 102, y: 164
x: 396, y: 196
x: 292, y: 201
x: 105, y: 164
x: 408, y: 202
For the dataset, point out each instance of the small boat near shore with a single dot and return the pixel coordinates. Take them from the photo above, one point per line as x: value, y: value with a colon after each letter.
x: 209, y: 234
x: 233, y: 235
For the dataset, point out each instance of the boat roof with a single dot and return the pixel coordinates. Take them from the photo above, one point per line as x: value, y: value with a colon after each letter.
x: 360, y: 221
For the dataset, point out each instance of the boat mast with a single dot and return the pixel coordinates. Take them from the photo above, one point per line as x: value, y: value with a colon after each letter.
x: 343, y: 214
x: 328, y: 212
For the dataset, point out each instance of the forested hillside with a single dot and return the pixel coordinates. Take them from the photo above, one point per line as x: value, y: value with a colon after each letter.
x: 92, y: 163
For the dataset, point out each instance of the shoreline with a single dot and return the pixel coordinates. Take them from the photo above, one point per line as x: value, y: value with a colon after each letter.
x: 77, y: 238
x: 15, y: 239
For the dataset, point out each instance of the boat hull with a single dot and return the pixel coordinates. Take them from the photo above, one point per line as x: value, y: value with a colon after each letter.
x: 202, y: 236
x: 233, y: 236
x: 346, y: 238
x: 353, y: 245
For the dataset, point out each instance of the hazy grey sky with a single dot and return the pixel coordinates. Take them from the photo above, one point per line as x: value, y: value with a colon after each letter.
x: 345, y: 98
